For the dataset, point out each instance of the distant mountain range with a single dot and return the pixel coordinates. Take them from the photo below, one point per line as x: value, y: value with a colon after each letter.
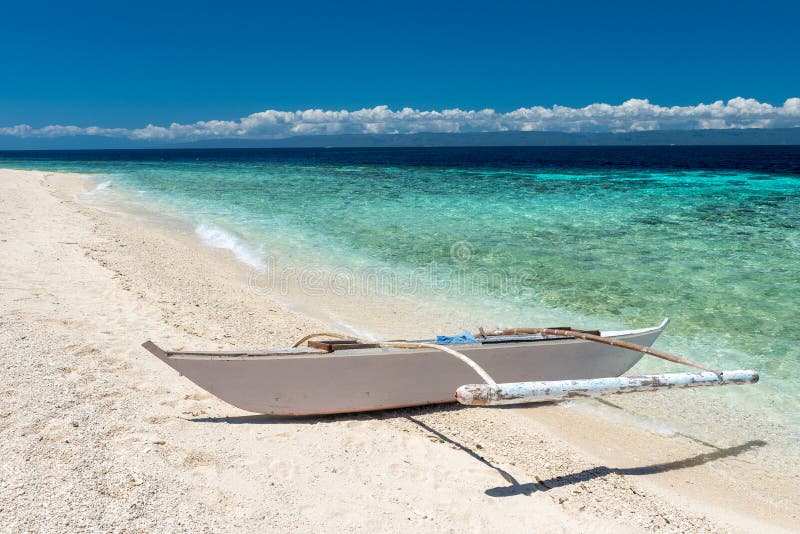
x: 751, y: 136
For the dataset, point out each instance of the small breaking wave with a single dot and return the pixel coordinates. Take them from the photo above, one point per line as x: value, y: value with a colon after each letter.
x: 213, y: 236
x: 102, y: 186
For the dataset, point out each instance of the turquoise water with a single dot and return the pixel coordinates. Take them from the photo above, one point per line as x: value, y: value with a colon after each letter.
x: 718, y: 251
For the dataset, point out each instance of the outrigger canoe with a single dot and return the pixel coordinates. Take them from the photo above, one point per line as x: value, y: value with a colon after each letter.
x: 347, y: 375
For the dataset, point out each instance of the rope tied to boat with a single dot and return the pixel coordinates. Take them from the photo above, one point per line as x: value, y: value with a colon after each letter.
x: 414, y: 345
x: 464, y: 358
x: 322, y: 334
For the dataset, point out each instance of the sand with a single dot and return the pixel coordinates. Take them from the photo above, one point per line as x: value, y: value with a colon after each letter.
x: 95, y: 433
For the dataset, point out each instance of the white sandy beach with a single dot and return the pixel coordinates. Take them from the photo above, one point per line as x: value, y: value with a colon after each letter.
x: 97, y: 434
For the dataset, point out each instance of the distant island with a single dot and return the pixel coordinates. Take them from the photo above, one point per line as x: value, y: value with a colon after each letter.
x: 748, y: 136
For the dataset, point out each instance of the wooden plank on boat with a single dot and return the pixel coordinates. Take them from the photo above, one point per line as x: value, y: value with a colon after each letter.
x: 553, y: 390
x: 341, y: 344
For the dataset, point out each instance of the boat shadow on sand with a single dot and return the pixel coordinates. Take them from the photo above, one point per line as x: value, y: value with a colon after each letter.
x: 514, y: 487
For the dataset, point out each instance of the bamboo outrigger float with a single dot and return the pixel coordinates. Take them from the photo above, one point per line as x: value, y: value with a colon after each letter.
x: 345, y: 375
x: 553, y: 390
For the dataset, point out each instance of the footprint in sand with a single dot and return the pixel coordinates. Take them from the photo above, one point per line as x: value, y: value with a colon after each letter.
x: 197, y: 396
x: 406, y: 471
x: 282, y: 469
x: 158, y: 419
x: 115, y: 364
x: 86, y: 351
x: 360, y: 441
x: 198, y: 459
x: 115, y: 430
x: 271, y: 437
x: 354, y: 424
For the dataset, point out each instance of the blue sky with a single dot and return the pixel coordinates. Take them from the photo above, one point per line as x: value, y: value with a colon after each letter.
x: 126, y: 65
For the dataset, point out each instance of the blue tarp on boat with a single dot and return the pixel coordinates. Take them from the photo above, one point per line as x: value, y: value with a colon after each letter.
x: 463, y: 337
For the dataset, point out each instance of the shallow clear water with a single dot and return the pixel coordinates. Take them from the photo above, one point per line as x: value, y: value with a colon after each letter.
x: 717, y: 250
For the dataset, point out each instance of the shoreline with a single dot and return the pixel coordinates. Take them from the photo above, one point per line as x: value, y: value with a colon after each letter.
x: 376, y: 300
x: 104, y: 280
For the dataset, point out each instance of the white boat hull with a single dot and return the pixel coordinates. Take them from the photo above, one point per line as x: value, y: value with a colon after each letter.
x: 306, y: 382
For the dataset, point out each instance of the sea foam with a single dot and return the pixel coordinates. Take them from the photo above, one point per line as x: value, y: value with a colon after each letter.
x: 213, y: 236
x: 102, y: 186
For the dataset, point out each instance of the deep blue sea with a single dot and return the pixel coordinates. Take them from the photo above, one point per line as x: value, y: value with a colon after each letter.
x: 601, y: 236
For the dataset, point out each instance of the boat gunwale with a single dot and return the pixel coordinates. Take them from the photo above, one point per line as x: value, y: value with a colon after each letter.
x: 306, y: 353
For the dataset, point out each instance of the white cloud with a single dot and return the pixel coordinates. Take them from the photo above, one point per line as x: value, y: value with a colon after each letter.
x: 632, y: 115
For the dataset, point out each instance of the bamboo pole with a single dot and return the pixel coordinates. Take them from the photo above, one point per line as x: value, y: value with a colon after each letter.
x: 554, y: 390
